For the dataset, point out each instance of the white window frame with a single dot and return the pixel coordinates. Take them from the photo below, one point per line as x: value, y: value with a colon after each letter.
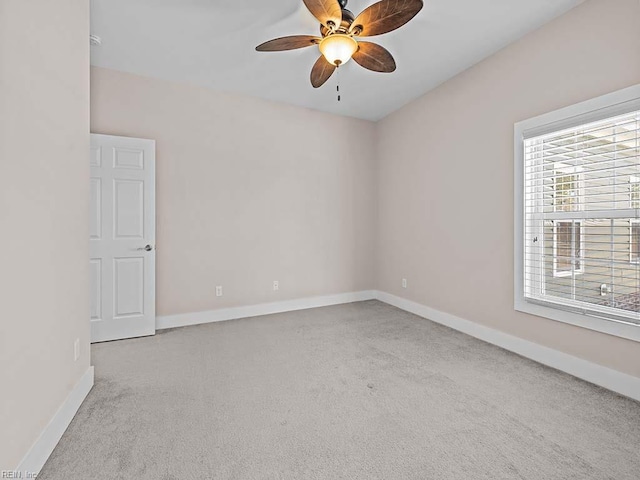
x: 610, y: 105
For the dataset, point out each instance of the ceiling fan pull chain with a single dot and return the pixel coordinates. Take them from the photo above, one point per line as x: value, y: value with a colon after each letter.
x: 338, y: 79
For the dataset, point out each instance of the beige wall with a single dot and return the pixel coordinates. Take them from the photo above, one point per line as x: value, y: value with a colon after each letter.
x: 44, y: 299
x: 446, y: 173
x: 248, y: 192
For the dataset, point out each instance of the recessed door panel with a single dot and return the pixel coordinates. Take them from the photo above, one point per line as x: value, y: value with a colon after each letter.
x: 95, y: 275
x: 129, y: 208
x: 96, y: 156
x: 128, y: 158
x: 128, y: 287
x: 95, y: 204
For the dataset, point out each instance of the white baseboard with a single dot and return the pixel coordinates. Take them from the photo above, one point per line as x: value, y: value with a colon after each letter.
x: 36, y: 457
x: 608, y: 378
x: 196, y: 318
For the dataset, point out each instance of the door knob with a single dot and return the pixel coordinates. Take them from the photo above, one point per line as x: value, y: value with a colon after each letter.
x: 148, y: 248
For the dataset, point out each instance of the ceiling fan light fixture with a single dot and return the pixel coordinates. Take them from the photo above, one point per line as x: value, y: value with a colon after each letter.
x: 338, y: 48
x: 338, y: 28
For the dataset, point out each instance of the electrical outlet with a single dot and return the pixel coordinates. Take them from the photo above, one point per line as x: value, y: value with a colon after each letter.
x: 76, y: 350
x: 404, y: 283
x: 219, y: 291
x: 276, y: 285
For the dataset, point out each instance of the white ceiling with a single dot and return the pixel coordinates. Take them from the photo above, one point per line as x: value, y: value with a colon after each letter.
x: 212, y: 43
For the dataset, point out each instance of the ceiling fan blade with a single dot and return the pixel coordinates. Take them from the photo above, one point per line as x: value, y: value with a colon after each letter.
x: 288, y: 43
x: 325, y: 11
x: 385, y: 16
x: 373, y: 57
x: 321, y: 72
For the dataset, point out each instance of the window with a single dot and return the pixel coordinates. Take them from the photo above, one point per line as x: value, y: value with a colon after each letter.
x: 567, y: 235
x: 578, y: 214
x: 567, y: 191
x: 567, y: 248
x: 634, y: 191
x: 634, y: 247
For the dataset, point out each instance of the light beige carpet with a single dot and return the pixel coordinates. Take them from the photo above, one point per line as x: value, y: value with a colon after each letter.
x: 358, y: 391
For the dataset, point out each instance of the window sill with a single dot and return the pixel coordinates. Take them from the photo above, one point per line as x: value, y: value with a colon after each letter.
x: 617, y: 328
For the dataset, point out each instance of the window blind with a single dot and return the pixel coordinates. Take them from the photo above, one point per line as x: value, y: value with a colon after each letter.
x: 582, y: 218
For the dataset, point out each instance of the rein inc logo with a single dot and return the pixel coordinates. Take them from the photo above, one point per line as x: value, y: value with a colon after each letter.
x: 17, y: 474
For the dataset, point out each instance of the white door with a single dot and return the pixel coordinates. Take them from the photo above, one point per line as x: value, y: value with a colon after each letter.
x: 122, y: 238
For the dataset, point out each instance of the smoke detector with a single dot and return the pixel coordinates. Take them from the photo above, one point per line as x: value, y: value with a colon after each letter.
x: 95, y: 40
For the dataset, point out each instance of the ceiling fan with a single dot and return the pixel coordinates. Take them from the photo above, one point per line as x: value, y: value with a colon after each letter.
x: 341, y: 31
